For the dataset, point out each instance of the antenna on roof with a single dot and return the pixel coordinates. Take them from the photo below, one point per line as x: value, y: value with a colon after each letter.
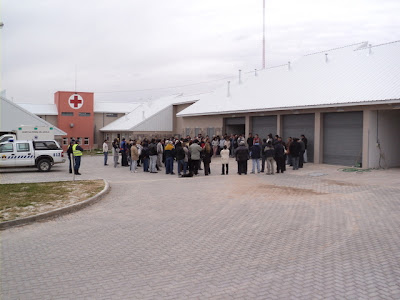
x: 76, y: 76
x: 240, y: 76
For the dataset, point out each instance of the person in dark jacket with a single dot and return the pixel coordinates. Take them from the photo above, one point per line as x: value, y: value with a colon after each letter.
x: 169, y: 152
x: 305, y: 141
x: 294, y: 149
x: 124, y: 149
x: 145, y: 156
x: 250, y: 140
x: 255, y: 154
x: 270, y: 154
x: 69, y: 153
x: 301, y: 155
x: 207, y: 153
x: 242, y: 156
x: 263, y: 157
x: 280, y: 157
x: 180, y: 158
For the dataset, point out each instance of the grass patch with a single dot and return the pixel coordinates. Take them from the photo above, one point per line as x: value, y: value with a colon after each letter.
x: 26, y: 199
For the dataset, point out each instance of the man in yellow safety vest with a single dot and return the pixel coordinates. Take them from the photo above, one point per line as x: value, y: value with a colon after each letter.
x: 77, y: 152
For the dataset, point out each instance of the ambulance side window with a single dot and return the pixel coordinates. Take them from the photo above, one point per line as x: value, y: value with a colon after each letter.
x: 6, y: 148
x: 22, y: 147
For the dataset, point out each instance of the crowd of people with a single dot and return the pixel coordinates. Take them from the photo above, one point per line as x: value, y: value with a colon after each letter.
x: 194, y: 154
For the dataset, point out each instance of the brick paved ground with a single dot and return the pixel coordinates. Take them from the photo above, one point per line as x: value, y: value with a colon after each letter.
x: 156, y: 236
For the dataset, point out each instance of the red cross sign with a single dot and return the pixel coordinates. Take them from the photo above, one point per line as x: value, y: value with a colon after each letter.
x: 75, y: 101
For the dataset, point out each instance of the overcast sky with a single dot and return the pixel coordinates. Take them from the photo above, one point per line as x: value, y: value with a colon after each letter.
x: 127, y: 50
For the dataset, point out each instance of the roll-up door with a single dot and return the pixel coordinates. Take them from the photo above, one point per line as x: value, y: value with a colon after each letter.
x: 235, y: 125
x: 296, y: 125
x: 343, y: 138
x: 264, y: 126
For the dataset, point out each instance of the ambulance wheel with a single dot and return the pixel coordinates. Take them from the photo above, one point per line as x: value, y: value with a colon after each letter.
x: 44, y: 165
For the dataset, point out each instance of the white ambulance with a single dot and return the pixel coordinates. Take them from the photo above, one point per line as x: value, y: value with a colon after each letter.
x: 42, y: 154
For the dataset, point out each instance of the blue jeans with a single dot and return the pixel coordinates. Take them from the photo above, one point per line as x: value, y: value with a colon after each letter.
x: 295, y: 161
x: 153, y: 162
x: 145, y: 162
x: 182, y: 165
x: 77, y: 163
x: 256, y: 162
x: 169, y: 165
x: 105, y: 157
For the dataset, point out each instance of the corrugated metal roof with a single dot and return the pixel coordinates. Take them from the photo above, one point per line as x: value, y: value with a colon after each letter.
x: 99, y: 107
x: 115, y: 107
x: 346, y: 76
x: 40, y: 109
x: 149, y: 114
x: 13, y: 116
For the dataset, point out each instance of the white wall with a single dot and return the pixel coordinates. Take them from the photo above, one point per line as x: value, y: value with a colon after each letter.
x: 384, y: 128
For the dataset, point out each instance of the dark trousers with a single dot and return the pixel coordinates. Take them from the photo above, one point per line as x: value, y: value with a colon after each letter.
x: 146, y: 163
x: 280, y: 164
x: 195, y: 166
x: 263, y: 158
x: 301, y: 159
x: 77, y: 163
x: 124, y: 161
x: 242, y: 166
x: 223, y: 169
x: 70, y: 163
x: 206, y: 167
x: 169, y: 165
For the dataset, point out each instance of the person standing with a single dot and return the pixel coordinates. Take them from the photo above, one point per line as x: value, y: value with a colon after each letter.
x: 124, y: 160
x: 295, y: 152
x: 153, y: 156
x: 145, y: 156
x: 195, y: 150
x: 301, y: 154
x: 280, y: 157
x: 160, y: 150
x: 263, y: 157
x: 169, y: 158
x: 70, y: 154
x: 242, y: 156
x: 255, y: 153
x: 305, y: 141
x: 207, y: 157
x: 180, y: 158
x: 225, y: 160
x: 105, y: 152
x: 250, y: 141
x: 215, y: 145
x: 77, y: 152
x: 134, y: 157
x: 115, y: 151
x: 269, y: 154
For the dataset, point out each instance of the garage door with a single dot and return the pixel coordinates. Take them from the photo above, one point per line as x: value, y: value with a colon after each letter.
x: 343, y: 138
x: 296, y: 125
x: 263, y: 126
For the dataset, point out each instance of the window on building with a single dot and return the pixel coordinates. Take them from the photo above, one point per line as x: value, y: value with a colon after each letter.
x: 83, y: 114
x: 22, y: 147
x: 67, y: 113
x: 210, y: 131
x: 112, y: 115
x: 6, y: 148
x: 187, y: 131
x: 65, y: 141
x: 86, y: 141
x: 196, y: 132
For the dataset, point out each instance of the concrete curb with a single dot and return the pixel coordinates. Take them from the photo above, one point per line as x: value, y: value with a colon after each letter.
x: 57, y: 212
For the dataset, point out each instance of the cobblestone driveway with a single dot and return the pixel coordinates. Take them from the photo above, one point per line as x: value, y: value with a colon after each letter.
x: 156, y: 236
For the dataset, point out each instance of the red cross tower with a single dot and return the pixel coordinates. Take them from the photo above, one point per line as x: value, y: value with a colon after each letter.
x: 76, y: 117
